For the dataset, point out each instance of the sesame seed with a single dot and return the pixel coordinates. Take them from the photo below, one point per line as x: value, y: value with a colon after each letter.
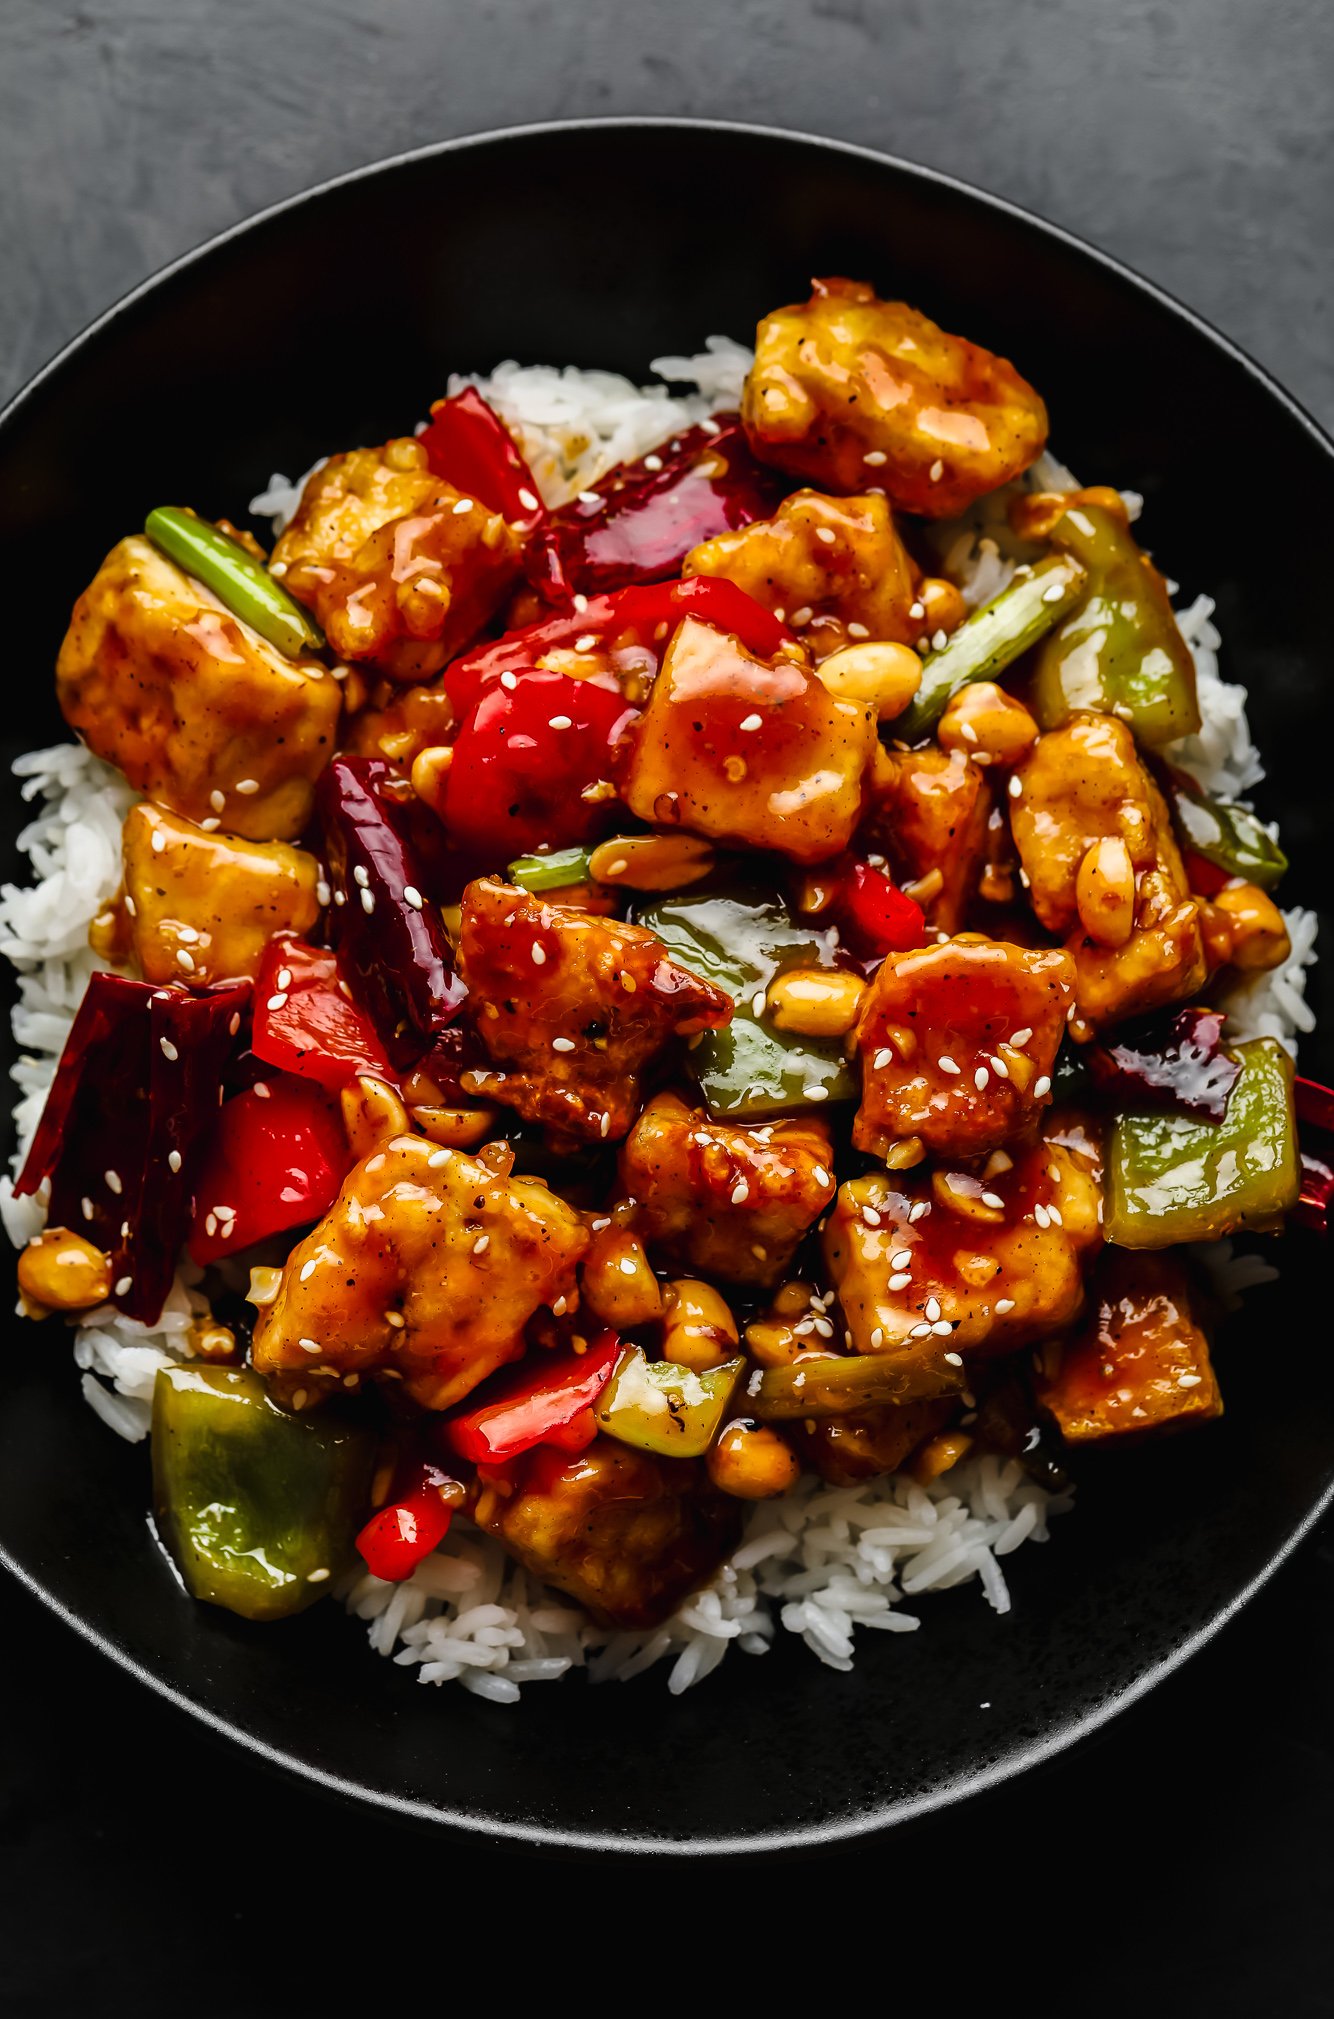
x: 247, y: 785
x: 917, y: 611
x: 875, y: 457
x: 173, y: 1161
x: 825, y: 533
x: 901, y: 1281
x: 980, y: 1079
x: 321, y: 892
x: 882, y: 1058
x: 283, y: 978
x: 814, y: 1093
x: 123, y: 1284
x: 113, y: 1183
x: 1001, y: 1070
x: 920, y: 1332
x: 481, y: 1244
x: 310, y: 1345
x: 367, y: 902
x: 823, y: 1327
x: 740, y: 1192
x: 217, y: 800
x: 307, y: 1271
x: 1189, y: 1380
x: 918, y: 1212
x: 870, y: 1215
x: 168, y: 1049
x: 438, y: 1159
x: 653, y: 463
x: 939, y: 640
x: 1054, y: 594
x: 1040, y: 1215
x: 937, y: 470
x: 1054, y: 1215
x: 821, y: 1175
x: 942, y: 1328
x: 317, y: 1576
x: 1041, y: 1086
x: 562, y: 1044
x: 275, y: 1002
x: 858, y: 631
x: 395, y: 1319
x: 590, y: 497
x: 757, y: 1003
x: 131, y: 907
x: 878, y: 1337
x: 561, y: 722
x: 947, y: 1064
x: 709, y: 425
x: 159, y: 843
x: 931, y: 1309
x: 604, y: 1126
x: 1004, y: 1305
x: 580, y: 605
x: 801, y: 617
x: 539, y: 954
x: 527, y: 500
x: 902, y: 1260
x: 753, y: 722
x: 994, y: 1200
x: 261, y: 1090
x: 1020, y: 1038
x: 509, y: 681
x: 86, y: 1207
x: 599, y: 1226
x: 955, y: 1359
x: 340, y: 897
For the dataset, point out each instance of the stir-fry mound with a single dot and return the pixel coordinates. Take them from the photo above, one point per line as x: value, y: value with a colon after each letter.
x: 198, y: 711
x: 572, y: 1008
x: 834, y: 568
x: 401, y: 569
x: 202, y: 907
x: 849, y: 390
x: 743, y: 751
x: 426, y: 1269
x: 727, y: 1201
x: 1140, y: 1361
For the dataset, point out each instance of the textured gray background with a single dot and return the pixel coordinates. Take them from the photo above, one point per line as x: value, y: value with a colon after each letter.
x: 1181, y: 1864
x: 1189, y: 136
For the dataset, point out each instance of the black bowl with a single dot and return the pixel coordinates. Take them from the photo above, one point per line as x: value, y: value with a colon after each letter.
x: 333, y: 319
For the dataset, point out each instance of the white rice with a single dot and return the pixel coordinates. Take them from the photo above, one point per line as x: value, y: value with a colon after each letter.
x: 823, y: 1563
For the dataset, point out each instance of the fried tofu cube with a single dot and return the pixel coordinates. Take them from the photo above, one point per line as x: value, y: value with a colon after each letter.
x: 957, y: 1043
x: 1085, y: 783
x: 426, y: 1269
x: 625, y: 1533
x: 932, y: 1266
x: 823, y: 564
x: 572, y: 1007
x: 928, y: 813
x: 848, y: 390
x: 204, y: 906
x: 401, y: 569
x: 718, y: 1199
x: 741, y: 751
x: 1140, y: 1362
x: 199, y: 712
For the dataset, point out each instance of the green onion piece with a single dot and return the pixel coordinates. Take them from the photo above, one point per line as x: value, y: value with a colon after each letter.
x: 236, y: 579
x: 1230, y: 836
x: 837, y: 1383
x: 551, y: 872
x: 992, y: 639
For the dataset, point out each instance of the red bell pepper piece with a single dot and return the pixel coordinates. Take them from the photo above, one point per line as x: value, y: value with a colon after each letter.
x: 645, y: 516
x: 540, y: 1403
x: 523, y: 759
x: 1171, y: 1061
x: 645, y: 615
x: 121, y: 1135
x: 1206, y: 879
x: 276, y: 1159
x: 395, y: 1540
x: 306, y: 1022
x: 876, y: 915
x: 471, y: 448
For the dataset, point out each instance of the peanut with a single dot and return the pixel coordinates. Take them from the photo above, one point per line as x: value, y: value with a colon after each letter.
x: 1256, y: 932
x: 983, y: 721
x: 884, y: 674
x: 372, y: 1114
x: 430, y: 768
x: 652, y: 861
x: 699, y: 1330
x: 818, y: 1003
x: 938, y: 1454
x: 453, y: 1128
x: 752, y: 1462
x: 1105, y: 892
x: 618, y: 1285
x: 60, y: 1271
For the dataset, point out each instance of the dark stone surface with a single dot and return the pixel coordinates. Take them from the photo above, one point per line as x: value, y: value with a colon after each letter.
x: 1180, y: 1860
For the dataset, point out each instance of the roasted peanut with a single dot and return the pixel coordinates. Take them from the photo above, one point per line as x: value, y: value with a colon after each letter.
x: 752, y: 1462
x: 1257, y: 936
x: 938, y: 1454
x: 60, y: 1271
x: 699, y: 1330
x: 1034, y: 513
x: 985, y: 722
x: 817, y: 1002
x: 1105, y: 892
x: 372, y: 1114
x: 652, y: 861
x: 942, y: 604
x: 884, y: 674
x: 619, y: 1287
x: 775, y: 1342
x: 430, y: 768
x: 213, y: 1342
x: 453, y: 1128
x: 960, y: 1192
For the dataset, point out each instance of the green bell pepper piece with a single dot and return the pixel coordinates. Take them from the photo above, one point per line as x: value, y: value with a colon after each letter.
x: 742, y: 938
x: 992, y: 638
x: 660, y: 1406
x: 1120, y: 651
x: 1172, y: 1178
x: 1228, y: 835
x: 837, y: 1383
x: 564, y: 866
x: 257, y: 1507
x: 236, y: 579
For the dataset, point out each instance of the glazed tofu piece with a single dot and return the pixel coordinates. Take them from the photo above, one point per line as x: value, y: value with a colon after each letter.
x: 400, y: 568
x: 834, y: 569
x: 848, y: 390
x: 868, y: 1443
x: 202, y: 907
x: 1139, y: 1363
x: 426, y: 1269
x: 199, y: 712
x: 928, y: 814
x: 721, y: 1200
x: 742, y: 751
x: 932, y: 1266
x: 1084, y: 786
x: 625, y: 1533
x: 957, y: 1044
x: 572, y: 1007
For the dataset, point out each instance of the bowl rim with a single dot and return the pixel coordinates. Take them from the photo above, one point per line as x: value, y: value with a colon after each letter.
x: 876, y: 1817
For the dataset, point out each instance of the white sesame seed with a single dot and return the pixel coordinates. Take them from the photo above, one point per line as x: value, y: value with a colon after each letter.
x: 481, y: 1244
x: 901, y: 1281
x: 562, y: 1044
x: 825, y: 533
x: 1001, y: 1070
x: 527, y: 500
x: 368, y: 902
x: 917, y: 611
x: 1054, y: 1215
x: 317, y: 1576
x: 931, y: 1309
x: 275, y: 1002
x: 1020, y: 1038
x: 801, y: 617
x: 980, y: 1079
x: 823, y: 1327
x: 590, y: 497
x: 438, y: 1159
x: 821, y: 1175
x: 561, y: 722
x: 123, y: 1284
x: 539, y: 954
x: 185, y: 959
x: 411, y: 895
x: 159, y: 843
x: 168, y: 1049
x: 309, y: 1345
x: 946, y: 1064
x: 653, y: 463
x: 814, y: 1093
x: 1015, y: 788
x: 340, y: 897
x: 1041, y: 1086
x: 247, y: 785
x: 942, y: 1328
x: 1189, y: 1380
x: 1040, y: 1215
x: 113, y: 1183
x: 994, y: 1201
x: 395, y: 1320
x: 878, y: 1337
x: 882, y: 1058
x: 740, y: 1192
x: 753, y: 722
x: 757, y: 1003
x: 871, y: 1217
x: 901, y: 1260
x: 920, y: 1332
x: 321, y: 892
x: 261, y: 1090
x: 86, y: 1207
x: 918, y: 1212
x: 509, y: 681
x: 858, y: 631
x: 1004, y: 1305
x: 955, y: 1359
x: 939, y: 640
x: 937, y: 470
x: 875, y: 457
x: 604, y: 1126
x: 1054, y: 593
